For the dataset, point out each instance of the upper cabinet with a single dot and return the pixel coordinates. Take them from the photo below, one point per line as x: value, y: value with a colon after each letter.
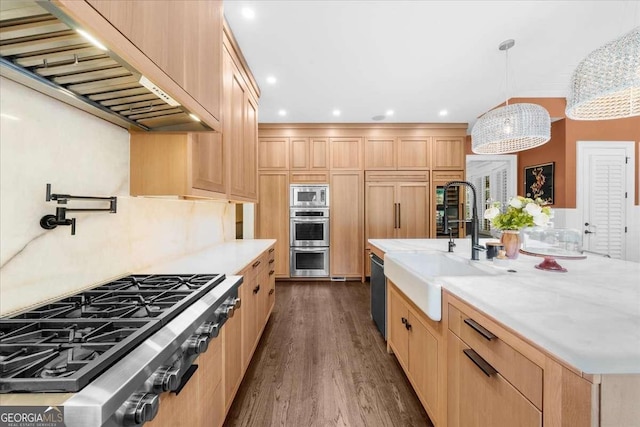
x: 414, y: 152
x: 397, y: 153
x: 448, y: 153
x: 215, y: 165
x: 240, y: 127
x: 187, y: 165
x: 273, y: 153
x: 181, y: 38
x: 345, y: 153
x: 309, y: 154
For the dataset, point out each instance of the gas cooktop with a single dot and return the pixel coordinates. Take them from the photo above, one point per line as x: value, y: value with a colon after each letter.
x: 62, y: 346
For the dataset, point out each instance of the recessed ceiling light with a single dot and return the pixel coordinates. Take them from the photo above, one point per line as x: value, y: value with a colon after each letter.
x: 248, y: 13
x: 282, y: 112
x: 336, y: 112
x: 194, y: 117
x: 389, y: 113
x: 271, y: 80
x: 92, y: 39
x: 443, y: 113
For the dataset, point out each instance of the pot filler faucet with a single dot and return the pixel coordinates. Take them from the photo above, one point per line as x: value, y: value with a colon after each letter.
x: 475, y: 222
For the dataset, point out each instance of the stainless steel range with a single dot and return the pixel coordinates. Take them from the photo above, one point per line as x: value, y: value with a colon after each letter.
x: 118, y: 346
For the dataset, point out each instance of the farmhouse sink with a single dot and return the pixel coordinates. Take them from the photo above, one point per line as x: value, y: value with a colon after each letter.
x: 419, y: 275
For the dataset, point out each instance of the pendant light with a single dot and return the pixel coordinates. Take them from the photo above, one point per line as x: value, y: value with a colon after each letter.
x: 511, y: 128
x: 606, y: 84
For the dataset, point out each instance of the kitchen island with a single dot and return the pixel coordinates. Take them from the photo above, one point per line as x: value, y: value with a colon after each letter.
x: 585, y: 323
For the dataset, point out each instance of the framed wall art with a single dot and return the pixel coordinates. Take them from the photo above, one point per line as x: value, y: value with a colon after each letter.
x: 538, y: 182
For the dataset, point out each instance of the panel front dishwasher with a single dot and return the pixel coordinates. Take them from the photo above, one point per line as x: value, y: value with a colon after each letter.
x: 378, y: 294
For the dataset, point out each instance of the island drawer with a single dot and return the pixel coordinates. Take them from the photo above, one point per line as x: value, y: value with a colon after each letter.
x: 517, y: 369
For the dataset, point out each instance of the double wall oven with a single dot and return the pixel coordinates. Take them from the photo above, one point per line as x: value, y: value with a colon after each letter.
x: 309, y: 231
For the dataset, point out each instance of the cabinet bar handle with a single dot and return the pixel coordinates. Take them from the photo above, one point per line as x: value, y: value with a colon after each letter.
x: 271, y: 272
x: 395, y: 218
x: 271, y: 291
x: 480, y: 362
x: 271, y: 250
x: 271, y: 261
x: 399, y: 217
x: 256, y: 289
x: 479, y: 329
x: 255, y: 264
x: 404, y: 321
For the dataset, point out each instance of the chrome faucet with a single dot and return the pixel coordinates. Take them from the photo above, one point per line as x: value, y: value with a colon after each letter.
x: 475, y: 222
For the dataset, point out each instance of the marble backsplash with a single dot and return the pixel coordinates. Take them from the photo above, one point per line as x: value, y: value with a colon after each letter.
x: 45, y: 141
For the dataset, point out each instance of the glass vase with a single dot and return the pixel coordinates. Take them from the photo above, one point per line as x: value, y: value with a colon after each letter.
x: 511, y: 241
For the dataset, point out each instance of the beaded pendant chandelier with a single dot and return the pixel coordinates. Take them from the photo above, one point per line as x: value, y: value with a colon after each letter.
x: 606, y: 84
x: 511, y: 128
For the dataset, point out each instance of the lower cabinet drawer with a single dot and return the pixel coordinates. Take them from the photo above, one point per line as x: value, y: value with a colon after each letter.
x: 521, y: 372
x: 479, y: 396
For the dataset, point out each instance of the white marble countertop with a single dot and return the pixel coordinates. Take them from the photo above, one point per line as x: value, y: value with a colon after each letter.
x: 228, y: 258
x: 589, y: 316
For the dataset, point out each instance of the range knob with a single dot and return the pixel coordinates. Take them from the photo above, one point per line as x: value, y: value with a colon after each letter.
x: 166, y: 378
x: 197, y: 344
x: 140, y: 408
x: 210, y: 329
x: 231, y: 305
x: 228, y: 311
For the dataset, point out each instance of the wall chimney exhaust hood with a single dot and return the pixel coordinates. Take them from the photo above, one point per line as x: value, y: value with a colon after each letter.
x: 46, y: 51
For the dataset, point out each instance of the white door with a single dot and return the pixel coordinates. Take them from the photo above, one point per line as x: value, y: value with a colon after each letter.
x: 605, y: 194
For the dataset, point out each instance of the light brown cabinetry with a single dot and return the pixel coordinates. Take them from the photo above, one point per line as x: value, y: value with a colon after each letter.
x: 273, y: 153
x: 346, y: 224
x: 271, y: 288
x: 345, y: 154
x: 309, y: 154
x: 396, y: 205
x: 488, y: 376
x: 189, y: 165
x: 210, y: 388
x: 447, y: 153
x: 242, y: 332
x: 254, y: 300
x: 232, y: 355
x: 408, y: 153
x: 417, y: 343
x: 179, y: 409
x: 494, y: 372
x: 309, y: 160
x: 273, y: 216
x: 239, y: 130
x: 478, y: 399
x: 183, y: 38
x: 211, y: 165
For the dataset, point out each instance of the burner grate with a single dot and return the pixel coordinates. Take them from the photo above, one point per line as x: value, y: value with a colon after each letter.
x: 62, y: 346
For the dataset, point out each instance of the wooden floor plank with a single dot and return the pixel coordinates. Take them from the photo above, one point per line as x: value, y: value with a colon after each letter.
x: 322, y: 362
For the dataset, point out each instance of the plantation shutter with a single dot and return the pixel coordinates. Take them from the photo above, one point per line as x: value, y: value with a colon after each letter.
x: 606, y: 212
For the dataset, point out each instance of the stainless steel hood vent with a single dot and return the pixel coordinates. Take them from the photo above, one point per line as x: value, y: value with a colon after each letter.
x: 42, y: 49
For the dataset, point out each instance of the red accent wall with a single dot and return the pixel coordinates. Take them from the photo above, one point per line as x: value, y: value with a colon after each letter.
x: 552, y: 151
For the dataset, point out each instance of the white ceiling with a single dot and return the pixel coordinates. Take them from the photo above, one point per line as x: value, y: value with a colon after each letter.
x: 416, y: 57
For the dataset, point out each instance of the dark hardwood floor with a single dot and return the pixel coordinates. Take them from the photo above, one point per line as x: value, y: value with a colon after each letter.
x: 322, y: 362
